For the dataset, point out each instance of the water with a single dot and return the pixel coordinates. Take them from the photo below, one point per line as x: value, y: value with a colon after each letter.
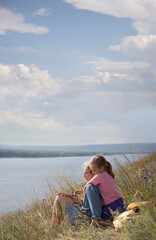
x: 22, y: 179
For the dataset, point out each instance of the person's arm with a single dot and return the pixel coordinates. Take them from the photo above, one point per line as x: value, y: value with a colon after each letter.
x: 84, y: 189
x: 95, y: 181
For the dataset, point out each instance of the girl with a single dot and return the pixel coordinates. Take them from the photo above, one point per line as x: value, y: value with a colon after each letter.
x: 105, y: 180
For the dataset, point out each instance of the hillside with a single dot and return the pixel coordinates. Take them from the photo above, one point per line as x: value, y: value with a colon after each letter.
x: 136, y: 182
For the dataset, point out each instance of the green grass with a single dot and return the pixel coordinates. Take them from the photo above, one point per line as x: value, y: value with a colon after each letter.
x: 136, y: 182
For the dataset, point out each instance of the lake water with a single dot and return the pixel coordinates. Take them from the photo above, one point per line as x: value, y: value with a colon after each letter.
x: 22, y: 179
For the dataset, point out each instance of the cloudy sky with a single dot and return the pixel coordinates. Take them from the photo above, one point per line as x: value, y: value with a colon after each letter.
x: 77, y: 71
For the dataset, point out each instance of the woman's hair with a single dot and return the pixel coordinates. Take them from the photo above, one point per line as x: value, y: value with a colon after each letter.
x: 100, y: 161
x: 87, y: 167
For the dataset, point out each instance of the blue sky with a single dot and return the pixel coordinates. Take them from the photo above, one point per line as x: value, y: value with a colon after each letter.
x: 77, y: 71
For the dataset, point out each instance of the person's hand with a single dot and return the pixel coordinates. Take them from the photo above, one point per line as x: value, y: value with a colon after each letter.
x: 65, y: 195
x: 84, y: 189
x: 78, y: 191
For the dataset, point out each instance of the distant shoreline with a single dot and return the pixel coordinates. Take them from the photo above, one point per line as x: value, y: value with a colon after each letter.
x: 53, y: 154
x: 10, y: 151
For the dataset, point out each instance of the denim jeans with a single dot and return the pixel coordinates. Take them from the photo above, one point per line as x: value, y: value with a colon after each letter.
x: 91, y: 205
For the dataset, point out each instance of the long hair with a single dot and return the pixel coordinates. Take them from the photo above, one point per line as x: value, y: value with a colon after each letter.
x: 100, y: 161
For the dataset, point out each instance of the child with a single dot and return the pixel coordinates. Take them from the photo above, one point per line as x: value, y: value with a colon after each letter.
x: 104, y: 179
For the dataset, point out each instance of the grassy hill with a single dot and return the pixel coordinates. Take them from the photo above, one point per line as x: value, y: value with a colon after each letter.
x: 136, y: 182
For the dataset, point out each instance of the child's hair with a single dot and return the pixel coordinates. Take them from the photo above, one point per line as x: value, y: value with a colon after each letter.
x: 100, y: 161
x: 87, y: 167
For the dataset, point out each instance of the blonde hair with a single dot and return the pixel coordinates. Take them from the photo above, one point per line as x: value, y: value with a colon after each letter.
x: 100, y: 161
x: 87, y: 167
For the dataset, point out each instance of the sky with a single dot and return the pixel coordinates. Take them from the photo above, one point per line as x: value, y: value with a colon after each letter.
x: 76, y: 72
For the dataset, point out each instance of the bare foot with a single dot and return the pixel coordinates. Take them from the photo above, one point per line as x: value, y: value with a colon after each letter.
x: 94, y: 222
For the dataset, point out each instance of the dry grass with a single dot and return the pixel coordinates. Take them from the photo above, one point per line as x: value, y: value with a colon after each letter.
x: 136, y: 181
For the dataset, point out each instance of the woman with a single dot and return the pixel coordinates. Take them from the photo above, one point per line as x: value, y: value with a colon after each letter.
x: 90, y: 205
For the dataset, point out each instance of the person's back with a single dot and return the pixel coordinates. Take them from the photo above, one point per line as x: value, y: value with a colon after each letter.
x: 107, y: 187
x: 105, y: 180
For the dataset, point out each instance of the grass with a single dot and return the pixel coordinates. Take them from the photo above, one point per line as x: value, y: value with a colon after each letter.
x: 136, y: 182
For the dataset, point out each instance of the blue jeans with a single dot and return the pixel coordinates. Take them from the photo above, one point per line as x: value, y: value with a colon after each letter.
x: 91, y: 205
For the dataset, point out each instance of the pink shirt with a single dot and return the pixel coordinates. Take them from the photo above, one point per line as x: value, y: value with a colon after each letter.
x: 107, y: 187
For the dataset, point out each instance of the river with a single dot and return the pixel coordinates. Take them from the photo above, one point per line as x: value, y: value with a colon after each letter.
x: 23, y: 179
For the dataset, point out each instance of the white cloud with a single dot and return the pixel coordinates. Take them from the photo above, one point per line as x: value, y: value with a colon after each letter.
x: 11, y: 21
x: 135, y: 9
x: 27, y: 119
x: 120, y: 76
x: 142, y: 12
x: 42, y: 12
x: 54, y: 133
x: 145, y: 27
x: 99, y: 117
x: 140, y: 46
x: 107, y: 65
x: 4, y: 72
x: 115, y: 78
x: 33, y: 104
x: 26, y: 80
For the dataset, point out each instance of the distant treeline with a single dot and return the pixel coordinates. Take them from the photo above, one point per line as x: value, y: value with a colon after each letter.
x: 74, y: 150
x: 42, y: 154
